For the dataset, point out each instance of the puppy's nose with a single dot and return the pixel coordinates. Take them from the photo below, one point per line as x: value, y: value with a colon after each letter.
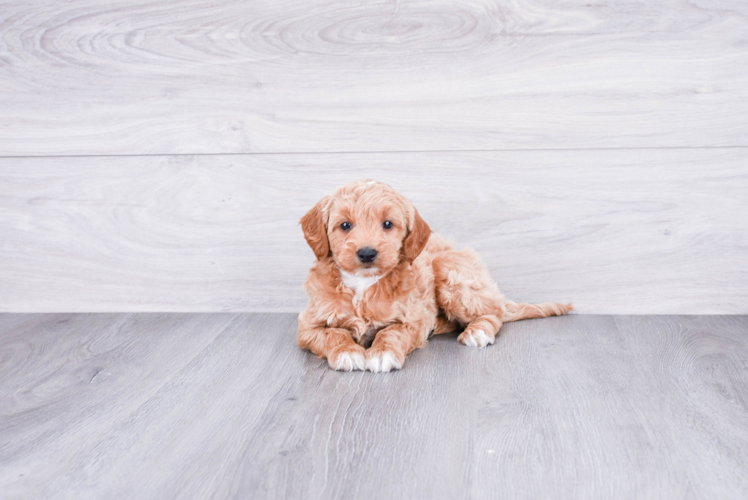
x: 367, y: 255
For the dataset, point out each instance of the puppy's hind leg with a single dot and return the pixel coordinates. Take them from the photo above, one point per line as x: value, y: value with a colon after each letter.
x: 468, y: 295
x: 481, y: 331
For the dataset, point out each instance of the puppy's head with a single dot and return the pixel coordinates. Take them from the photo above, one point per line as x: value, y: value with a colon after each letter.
x: 366, y: 227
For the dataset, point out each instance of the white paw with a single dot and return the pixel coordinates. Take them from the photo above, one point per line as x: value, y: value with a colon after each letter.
x: 382, y: 363
x: 475, y: 338
x: 347, y: 362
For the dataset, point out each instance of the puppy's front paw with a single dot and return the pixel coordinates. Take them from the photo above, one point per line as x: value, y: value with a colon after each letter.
x: 347, y: 358
x: 475, y: 337
x: 382, y: 360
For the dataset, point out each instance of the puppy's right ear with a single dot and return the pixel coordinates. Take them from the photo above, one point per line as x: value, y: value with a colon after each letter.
x: 315, y: 229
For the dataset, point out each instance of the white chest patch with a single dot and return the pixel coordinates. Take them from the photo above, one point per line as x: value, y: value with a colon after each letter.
x: 359, y: 284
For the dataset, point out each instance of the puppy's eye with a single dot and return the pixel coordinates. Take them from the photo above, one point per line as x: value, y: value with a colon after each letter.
x: 387, y: 224
x: 346, y: 226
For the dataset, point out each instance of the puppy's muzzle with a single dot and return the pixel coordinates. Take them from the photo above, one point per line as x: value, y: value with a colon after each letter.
x: 366, y: 255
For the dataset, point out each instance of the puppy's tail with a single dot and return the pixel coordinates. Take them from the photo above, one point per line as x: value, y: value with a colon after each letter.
x: 516, y: 312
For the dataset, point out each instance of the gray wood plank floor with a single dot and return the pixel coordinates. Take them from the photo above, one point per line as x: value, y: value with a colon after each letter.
x: 226, y: 406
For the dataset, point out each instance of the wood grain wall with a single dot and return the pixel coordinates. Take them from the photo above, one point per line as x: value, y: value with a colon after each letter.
x: 158, y: 155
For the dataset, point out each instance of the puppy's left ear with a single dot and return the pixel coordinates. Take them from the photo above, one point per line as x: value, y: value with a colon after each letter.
x: 417, y: 238
x: 315, y: 230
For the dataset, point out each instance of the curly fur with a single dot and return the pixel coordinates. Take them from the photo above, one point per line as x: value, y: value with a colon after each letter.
x: 372, y: 315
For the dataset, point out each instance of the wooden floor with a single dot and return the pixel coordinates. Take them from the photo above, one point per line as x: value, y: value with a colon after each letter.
x: 138, y: 406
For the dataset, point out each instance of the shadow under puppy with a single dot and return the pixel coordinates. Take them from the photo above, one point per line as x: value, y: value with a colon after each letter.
x: 383, y: 283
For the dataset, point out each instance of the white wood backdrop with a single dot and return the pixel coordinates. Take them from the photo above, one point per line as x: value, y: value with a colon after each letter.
x: 158, y: 155
x: 192, y: 76
x: 635, y: 231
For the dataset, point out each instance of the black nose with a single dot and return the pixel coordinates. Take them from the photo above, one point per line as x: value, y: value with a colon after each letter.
x: 367, y: 255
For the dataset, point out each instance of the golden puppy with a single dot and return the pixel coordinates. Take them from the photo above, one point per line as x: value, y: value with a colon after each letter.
x: 383, y: 280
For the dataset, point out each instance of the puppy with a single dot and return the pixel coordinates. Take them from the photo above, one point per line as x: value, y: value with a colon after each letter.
x: 383, y: 283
